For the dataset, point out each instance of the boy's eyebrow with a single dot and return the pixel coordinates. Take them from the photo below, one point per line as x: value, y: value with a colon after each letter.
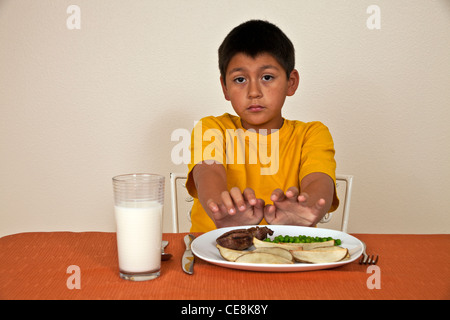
x: 269, y: 66
x: 239, y: 69
x: 264, y: 67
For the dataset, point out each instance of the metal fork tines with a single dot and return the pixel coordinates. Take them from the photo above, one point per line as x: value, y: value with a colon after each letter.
x: 367, y: 259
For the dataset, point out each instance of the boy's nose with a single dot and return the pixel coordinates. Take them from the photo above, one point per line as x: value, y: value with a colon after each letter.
x: 254, y: 90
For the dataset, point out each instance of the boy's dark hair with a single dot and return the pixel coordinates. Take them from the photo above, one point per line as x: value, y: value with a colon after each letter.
x: 253, y: 38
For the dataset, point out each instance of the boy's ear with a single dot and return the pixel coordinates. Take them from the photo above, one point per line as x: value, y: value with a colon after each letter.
x: 224, y: 89
x: 293, y: 82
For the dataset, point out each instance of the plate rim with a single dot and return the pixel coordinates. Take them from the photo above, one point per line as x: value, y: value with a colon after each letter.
x: 275, y: 267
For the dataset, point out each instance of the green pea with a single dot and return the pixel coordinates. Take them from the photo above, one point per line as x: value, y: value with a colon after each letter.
x: 302, y: 239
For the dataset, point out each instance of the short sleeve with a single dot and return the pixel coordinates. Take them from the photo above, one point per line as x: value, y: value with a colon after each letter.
x: 207, y: 145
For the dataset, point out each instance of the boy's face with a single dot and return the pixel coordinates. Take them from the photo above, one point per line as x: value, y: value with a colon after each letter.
x: 257, y: 88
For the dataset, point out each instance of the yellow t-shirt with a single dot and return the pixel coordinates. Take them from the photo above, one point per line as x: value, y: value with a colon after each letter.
x: 279, y: 159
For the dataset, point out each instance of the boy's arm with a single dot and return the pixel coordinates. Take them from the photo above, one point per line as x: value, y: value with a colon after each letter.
x: 210, y: 181
x: 305, y: 207
x: 225, y: 208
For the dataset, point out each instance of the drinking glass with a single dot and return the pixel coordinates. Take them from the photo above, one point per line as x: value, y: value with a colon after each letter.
x: 138, y: 207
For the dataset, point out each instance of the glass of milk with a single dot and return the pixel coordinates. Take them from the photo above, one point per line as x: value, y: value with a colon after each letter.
x: 138, y: 207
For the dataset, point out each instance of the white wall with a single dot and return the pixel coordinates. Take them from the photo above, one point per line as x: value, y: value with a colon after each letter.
x: 80, y: 106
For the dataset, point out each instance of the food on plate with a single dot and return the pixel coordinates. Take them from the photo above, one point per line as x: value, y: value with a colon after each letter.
x: 288, y: 246
x: 263, y: 257
x: 230, y: 254
x: 260, y: 232
x: 233, y: 246
x: 276, y: 251
x: 302, y: 239
x: 292, y: 246
x: 320, y: 255
x: 241, y: 239
x: 234, y: 255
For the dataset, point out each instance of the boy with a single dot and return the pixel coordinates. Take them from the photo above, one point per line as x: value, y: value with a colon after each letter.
x: 256, y: 62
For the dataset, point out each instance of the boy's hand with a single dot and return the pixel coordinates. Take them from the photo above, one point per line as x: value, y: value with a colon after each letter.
x: 293, y: 208
x: 236, y: 208
x: 302, y: 209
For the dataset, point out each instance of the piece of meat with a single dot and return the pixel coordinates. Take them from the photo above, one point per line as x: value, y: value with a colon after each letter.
x: 238, y: 239
x: 241, y: 239
x: 260, y: 233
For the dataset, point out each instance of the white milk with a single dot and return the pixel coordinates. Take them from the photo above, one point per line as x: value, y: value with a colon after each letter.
x: 139, y: 236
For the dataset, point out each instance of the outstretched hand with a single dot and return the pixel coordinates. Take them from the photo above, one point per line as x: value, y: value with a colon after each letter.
x: 294, y: 208
x: 236, y: 208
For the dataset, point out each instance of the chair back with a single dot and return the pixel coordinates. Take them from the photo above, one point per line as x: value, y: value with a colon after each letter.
x: 181, y: 203
x: 338, y: 220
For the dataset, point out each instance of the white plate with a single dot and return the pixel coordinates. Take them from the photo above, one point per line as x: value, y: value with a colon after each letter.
x: 204, y: 247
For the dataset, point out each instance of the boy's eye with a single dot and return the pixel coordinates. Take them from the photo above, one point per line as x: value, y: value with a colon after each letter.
x: 267, y: 77
x: 239, y: 80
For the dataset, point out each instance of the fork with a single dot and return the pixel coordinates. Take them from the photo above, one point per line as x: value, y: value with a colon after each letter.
x: 367, y: 259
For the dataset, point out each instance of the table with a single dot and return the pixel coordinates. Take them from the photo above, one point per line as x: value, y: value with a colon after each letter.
x: 35, y: 266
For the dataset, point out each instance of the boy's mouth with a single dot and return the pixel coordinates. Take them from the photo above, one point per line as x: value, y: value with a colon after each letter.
x: 255, y: 108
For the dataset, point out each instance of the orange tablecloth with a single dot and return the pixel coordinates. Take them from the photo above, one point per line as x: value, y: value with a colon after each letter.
x: 34, y: 266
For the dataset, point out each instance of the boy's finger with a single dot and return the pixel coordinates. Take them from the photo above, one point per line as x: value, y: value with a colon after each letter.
x: 320, y: 204
x: 250, y: 196
x: 258, y: 209
x: 303, y: 199
x: 292, y: 194
x: 228, y: 202
x: 260, y: 203
x: 212, y: 206
x: 237, y: 198
x: 269, y: 213
x: 277, y: 195
x: 218, y: 210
